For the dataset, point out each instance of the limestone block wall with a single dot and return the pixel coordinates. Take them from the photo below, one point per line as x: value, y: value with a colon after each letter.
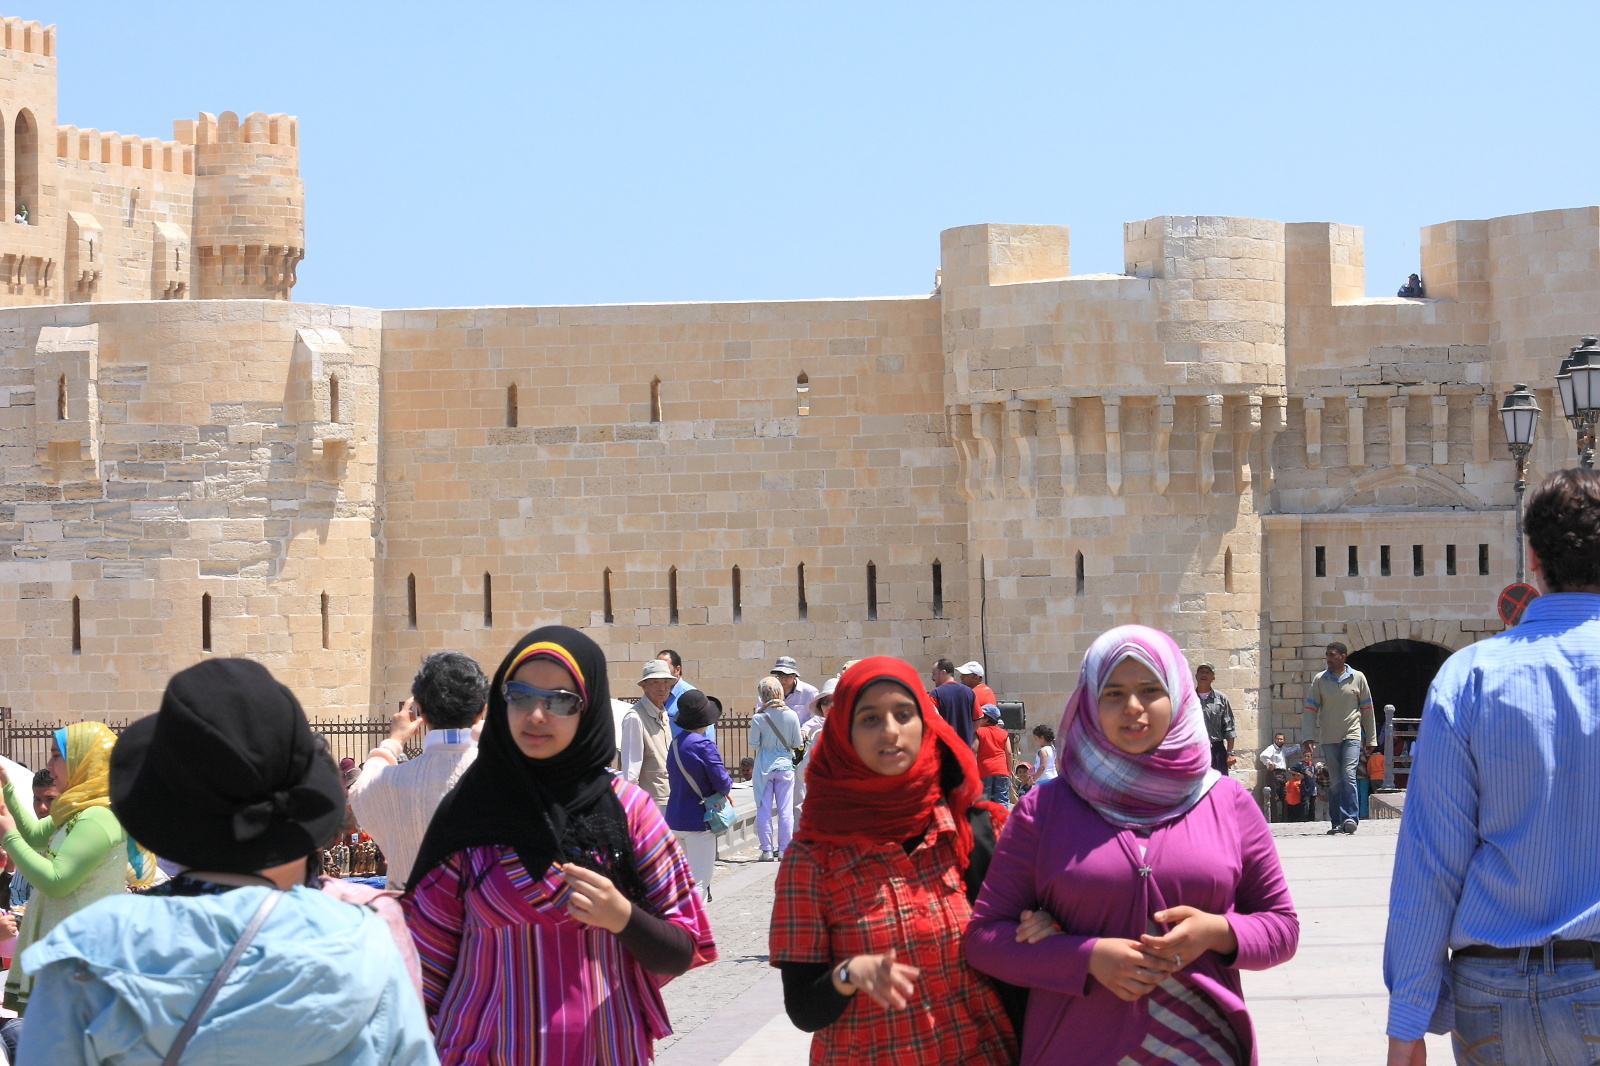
x: 609, y: 467
x: 1426, y: 576
x: 1112, y: 433
x: 194, y: 516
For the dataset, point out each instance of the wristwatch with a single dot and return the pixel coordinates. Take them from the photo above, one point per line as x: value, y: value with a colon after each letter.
x: 842, y: 974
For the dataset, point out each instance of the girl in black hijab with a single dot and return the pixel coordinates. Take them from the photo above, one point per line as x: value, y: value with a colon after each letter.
x: 542, y: 865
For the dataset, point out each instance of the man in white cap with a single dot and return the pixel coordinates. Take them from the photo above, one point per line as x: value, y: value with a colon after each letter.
x: 797, y: 695
x: 982, y: 695
x: 646, y: 732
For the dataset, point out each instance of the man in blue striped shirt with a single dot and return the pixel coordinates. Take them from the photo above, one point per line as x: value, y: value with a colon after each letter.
x: 1494, y: 911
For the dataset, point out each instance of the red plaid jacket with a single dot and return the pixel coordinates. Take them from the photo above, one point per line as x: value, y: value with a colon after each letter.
x: 837, y: 902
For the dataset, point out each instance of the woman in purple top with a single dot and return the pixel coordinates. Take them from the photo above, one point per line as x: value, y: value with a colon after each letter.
x: 1161, y: 873
x: 695, y: 773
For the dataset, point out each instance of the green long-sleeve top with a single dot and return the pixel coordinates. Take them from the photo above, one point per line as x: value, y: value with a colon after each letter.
x: 95, y: 832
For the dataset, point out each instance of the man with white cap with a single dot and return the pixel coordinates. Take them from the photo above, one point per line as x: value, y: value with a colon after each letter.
x: 982, y: 695
x: 646, y: 732
x: 797, y: 695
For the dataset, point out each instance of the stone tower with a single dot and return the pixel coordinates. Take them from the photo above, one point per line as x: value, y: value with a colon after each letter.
x: 249, y: 205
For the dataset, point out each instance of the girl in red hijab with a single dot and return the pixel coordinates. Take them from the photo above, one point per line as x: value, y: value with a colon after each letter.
x: 875, y: 892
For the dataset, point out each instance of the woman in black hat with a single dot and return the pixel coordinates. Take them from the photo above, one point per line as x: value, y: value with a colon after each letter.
x: 228, y: 782
x: 549, y: 901
x: 696, y: 774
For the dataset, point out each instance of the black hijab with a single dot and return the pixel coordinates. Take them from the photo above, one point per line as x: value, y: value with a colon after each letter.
x: 560, y: 809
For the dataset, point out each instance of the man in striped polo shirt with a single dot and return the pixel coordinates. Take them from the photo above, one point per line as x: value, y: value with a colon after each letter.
x: 1339, y: 709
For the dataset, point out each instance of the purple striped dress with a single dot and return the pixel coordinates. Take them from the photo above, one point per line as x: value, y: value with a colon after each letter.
x: 510, y: 980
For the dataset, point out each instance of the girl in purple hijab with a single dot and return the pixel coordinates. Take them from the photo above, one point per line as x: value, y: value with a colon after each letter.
x: 1161, y: 873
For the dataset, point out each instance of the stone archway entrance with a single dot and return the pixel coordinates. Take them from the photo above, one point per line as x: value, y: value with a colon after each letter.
x: 1399, y: 672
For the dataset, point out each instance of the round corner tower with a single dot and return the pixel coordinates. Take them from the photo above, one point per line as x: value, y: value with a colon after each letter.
x: 249, y: 206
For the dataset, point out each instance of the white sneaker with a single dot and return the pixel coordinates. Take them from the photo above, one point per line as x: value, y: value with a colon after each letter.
x: 767, y: 856
x: 1348, y: 826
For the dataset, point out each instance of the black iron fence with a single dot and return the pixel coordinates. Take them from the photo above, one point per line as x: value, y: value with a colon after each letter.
x: 733, y: 741
x: 29, y: 742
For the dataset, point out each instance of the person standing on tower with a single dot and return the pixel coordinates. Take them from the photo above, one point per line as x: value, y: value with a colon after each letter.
x: 1339, y: 709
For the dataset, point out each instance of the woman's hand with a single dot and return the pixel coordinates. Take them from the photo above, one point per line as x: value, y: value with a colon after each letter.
x: 890, y: 984
x: 1035, y: 926
x: 1124, y: 968
x: 8, y: 925
x: 1193, y: 933
x: 594, y: 900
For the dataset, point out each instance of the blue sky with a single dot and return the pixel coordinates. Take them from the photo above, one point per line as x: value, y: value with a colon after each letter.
x: 459, y: 154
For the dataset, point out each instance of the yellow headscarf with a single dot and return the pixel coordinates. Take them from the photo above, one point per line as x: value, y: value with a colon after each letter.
x: 86, y: 747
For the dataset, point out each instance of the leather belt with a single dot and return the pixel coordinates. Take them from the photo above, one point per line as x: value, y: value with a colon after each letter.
x: 1561, y: 949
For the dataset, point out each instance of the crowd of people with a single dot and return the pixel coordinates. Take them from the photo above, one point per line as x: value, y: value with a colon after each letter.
x: 551, y: 854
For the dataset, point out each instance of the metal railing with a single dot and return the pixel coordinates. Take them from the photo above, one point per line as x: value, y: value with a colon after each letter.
x: 1399, y: 735
x: 29, y: 742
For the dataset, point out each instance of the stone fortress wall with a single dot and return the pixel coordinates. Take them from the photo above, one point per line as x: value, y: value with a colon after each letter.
x: 1228, y: 440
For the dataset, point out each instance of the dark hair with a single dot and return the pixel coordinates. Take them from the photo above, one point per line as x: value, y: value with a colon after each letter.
x: 43, y: 779
x: 947, y: 666
x: 1338, y: 646
x: 1045, y: 733
x: 450, y: 689
x: 672, y: 657
x: 1563, y: 524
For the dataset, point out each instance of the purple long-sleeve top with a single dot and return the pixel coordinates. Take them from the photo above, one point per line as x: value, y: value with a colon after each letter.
x: 1057, y: 853
x: 702, y: 759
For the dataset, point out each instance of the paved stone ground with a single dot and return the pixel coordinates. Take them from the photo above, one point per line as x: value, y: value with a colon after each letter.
x: 1326, y: 1007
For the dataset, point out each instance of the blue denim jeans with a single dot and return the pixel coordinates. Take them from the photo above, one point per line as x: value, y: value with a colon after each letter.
x: 1342, y: 800
x: 997, y: 787
x: 1529, y: 1012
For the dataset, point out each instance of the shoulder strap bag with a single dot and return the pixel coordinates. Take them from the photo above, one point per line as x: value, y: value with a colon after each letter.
x: 719, y: 810
x: 797, y: 749
x: 197, y: 1015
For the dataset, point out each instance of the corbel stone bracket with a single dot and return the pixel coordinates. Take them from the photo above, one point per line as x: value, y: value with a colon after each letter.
x: 1067, y: 448
x: 1397, y: 429
x: 1210, y: 426
x: 1113, y: 409
x: 1356, y: 446
x: 1163, y: 442
x: 1314, y: 406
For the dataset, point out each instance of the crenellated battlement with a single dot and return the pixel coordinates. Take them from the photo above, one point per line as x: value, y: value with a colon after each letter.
x: 89, y: 145
x: 257, y: 128
x: 27, y: 36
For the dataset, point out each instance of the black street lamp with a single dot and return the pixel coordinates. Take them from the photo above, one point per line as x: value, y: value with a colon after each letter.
x: 1520, y: 413
x: 1578, y: 382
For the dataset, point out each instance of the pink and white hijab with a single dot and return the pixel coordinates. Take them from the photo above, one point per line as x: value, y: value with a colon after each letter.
x: 1137, y: 791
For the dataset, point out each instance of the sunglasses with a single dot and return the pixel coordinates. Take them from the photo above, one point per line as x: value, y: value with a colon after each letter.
x: 553, y: 701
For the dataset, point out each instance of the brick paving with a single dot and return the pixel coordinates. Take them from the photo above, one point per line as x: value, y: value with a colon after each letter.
x: 1325, y: 1007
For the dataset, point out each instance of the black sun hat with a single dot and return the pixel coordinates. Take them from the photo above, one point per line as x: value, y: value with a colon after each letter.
x: 228, y: 775
x: 696, y: 710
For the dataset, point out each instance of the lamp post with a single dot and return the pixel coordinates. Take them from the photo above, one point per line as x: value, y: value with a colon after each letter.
x: 1578, y: 382
x: 1520, y: 414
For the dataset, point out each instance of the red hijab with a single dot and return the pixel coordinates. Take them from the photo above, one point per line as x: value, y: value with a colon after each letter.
x: 848, y: 803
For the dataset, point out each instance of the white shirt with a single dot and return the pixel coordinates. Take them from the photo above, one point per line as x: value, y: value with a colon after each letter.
x: 1272, y: 758
x: 395, y: 803
x: 1044, y: 764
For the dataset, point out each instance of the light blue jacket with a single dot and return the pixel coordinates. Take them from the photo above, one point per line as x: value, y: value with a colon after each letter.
x: 321, y: 984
